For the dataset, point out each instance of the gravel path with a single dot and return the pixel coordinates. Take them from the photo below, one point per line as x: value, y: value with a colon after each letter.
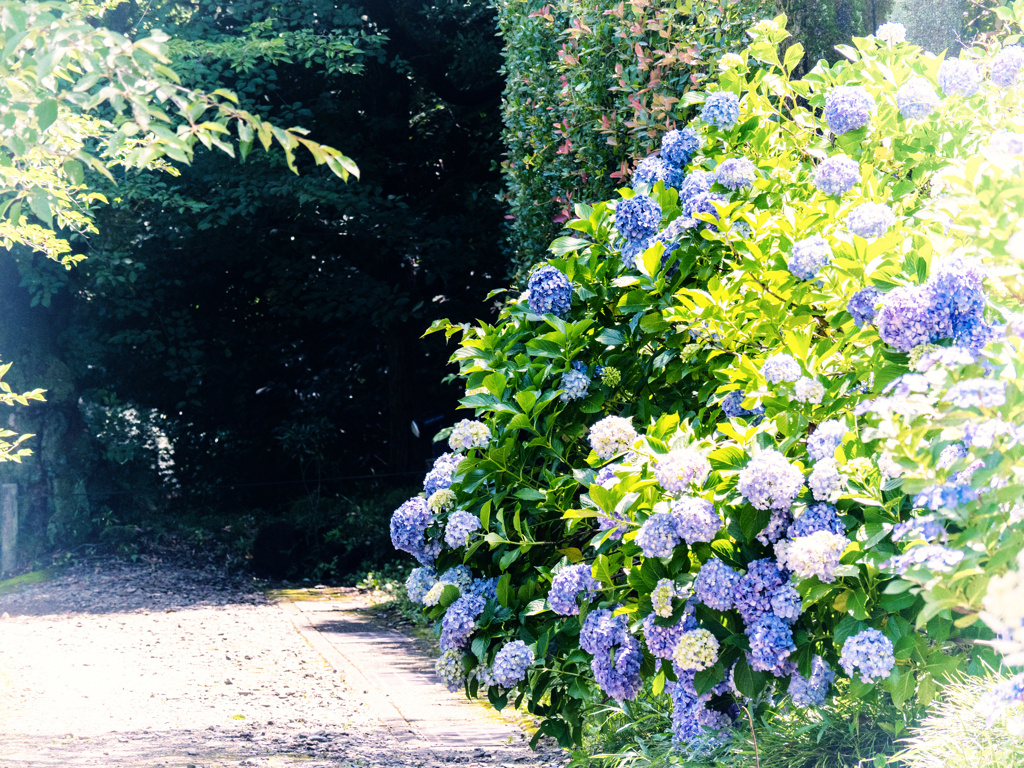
x: 162, y: 665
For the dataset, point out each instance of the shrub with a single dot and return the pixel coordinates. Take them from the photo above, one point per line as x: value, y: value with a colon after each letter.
x: 819, y: 433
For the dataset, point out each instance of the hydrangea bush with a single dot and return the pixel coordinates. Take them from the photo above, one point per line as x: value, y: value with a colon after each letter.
x: 798, y: 453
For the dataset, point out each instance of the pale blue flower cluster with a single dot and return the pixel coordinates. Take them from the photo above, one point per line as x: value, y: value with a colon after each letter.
x: 870, y: 220
x: 769, y: 481
x: 959, y: 77
x: 825, y: 439
x: 459, y: 621
x: 1007, y: 65
x: 732, y: 406
x: 825, y: 480
x: 814, y: 555
x: 916, y: 99
x: 721, y: 109
x: 817, y: 517
x: 736, y: 173
x: 617, y: 656
x: 440, y: 476
x: 419, y: 583
x: 695, y: 519
x: 680, y: 468
x: 574, y: 385
x: 692, y: 719
x: 638, y: 217
x: 934, y: 557
x: 662, y: 641
x: 781, y: 367
x: 1009, y: 142
x: 679, y: 147
x: 808, y: 390
x: 550, y: 292
x: 984, y: 434
x: 658, y: 536
x: 567, y: 584
x: 977, y: 393
x: 468, y: 434
x: 612, y: 435
x: 460, y: 525
x: 786, y: 603
x: 836, y: 175
x: 715, y: 585
x: 847, y: 108
x: 449, y: 669
x: 703, y: 202
x: 950, y: 455
x: 409, y: 525
x: 907, y: 318
x: 808, y: 257
x: 891, y: 32
x: 870, y: 652
x: 653, y: 169
x: 811, y: 691
x: 756, y: 587
x: 511, y: 663
x: 863, y: 306
x: 771, y: 643
x: 925, y: 528
x: 948, y: 495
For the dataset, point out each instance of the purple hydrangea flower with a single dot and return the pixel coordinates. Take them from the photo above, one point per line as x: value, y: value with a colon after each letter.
x: 825, y: 480
x: 907, y: 318
x: 769, y: 481
x: 836, y: 175
x: 732, y: 406
x: 870, y: 220
x: 638, y: 217
x: 574, y: 385
x: 658, y: 536
x: 950, y: 455
x: 870, y: 652
x: 786, y: 603
x: 817, y: 517
x: 440, y: 476
x: 781, y: 367
x: 695, y: 183
x: 848, y: 108
x: 460, y: 525
x: 916, y: 99
x: 511, y: 663
x: 862, y: 305
x: 959, y: 77
x: 956, y: 289
x: 653, y: 169
x: 409, y: 525
x: 601, y: 631
x: 825, y: 439
x: 459, y: 621
x: 771, y: 642
x: 617, y: 671
x: 755, y: 588
x: 951, y: 495
x: 924, y: 528
x: 567, y: 584
x: 934, y: 557
x: 721, y: 109
x: 679, y: 468
x: 662, y: 641
x: 809, y: 256
x: 811, y: 692
x: 679, y: 147
x: 1007, y: 65
x: 715, y: 585
x: 550, y: 292
x: 695, y: 519
x: 736, y: 173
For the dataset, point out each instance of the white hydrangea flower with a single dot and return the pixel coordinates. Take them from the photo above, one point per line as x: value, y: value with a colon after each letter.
x: 697, y: 649
x: 469, y: 434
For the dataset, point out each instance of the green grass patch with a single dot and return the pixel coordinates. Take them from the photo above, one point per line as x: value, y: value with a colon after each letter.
x: 35, y: 577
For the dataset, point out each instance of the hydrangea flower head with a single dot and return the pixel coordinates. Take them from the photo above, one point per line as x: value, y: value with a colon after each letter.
x: 715, y: 585
x: 703, y: 203
x: 511, y: 663
x: 459, y: 527
x: 950, y: 455
x: 679, y: 147
x: 825, y: 439
x: 956, y: 289
x: 617, y: 671
x: 891, y: 33
x: 459, y: 621
x: 814, y: 555
x: 817, y: 517
x: 808, y: 390
x: 409, y: 525
x: 449, y: 669
x: 786, y: 603
x: 808, y: 257
x: 638, y: 217
x: 916, y: 99
x: 441, y: 501
x: 695, y: 519
x: 697, y: 649
x: 732, y: 406
x: 925, y: 528
x: 567, y: 584
x: 836, y: 175
x: 771, y: 643
x: 959, y: 77
x: 977, y: 393
x: 755, y: 588
x: 934, y: 557
x: 862, y: 305
x: 736, y: 173
x: 661, y: 641
x: 781, y: 367
x: 825, y: 481
x: 602, y: 630
x: 769, y: 481
x: 661, y: 597
x: 658, y: 536
x: 870, y: 652
x: 1007, y: 65
x: 695, y: 183
x: 680, y: 468
x: 550, y: 292
x: 653, y: 169
x: 419, y: 583
x: 811, y: 691
x: 440, y: 476
x: 574, y: 385
x: 469, y: 434
x: 721, y: 109
x: 847, y: 108
x: 612, y: 435
x: 907, y: 318
x: 631, y: 249
x: 870, y: 220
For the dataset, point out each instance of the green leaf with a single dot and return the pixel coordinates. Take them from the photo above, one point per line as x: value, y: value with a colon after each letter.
x: 564, y: 245
x: 748, y: 682
x: 504, y: 589
x: 449, y: 595
x: 39, y: 203
x: 611, y: 337
x: 530, y: 494
x: 46, y: 113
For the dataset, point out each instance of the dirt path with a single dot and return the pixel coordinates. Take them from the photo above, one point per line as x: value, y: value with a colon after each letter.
x: 173, y: 666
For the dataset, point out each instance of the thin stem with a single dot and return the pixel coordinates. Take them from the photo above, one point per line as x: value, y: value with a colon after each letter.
x: 753, y: 737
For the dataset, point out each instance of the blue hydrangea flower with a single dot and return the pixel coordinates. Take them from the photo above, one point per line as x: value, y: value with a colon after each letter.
x: 892, y: 33
x: 567, y: 584
x: 409, y: 525
x: 695, y: 519
x: 924, y: 528
x: 662, y: 641
x: 695, y: 183
x: 459, y: 621
x: 601, y: 631
x: 703, y: 203
x: 770, y: 481
x: 956, y: 289
x: 916, y: 99
x: 836, y: 175
x: 817, y: 517
x: 870, y: 652
x: 847, y: 108
x: 870, y: 220
x: 550, y: 292
x: 862, y: 305
x: 814, y: 555
x: 606, y: 477
x: 781, y: 367
x: 755, y: 588
x: 617, y: 670
x: 721, y: 109
x: 959, y: 77
x: 825, y: 439
x: 638, y: 217
x: 808, y: 390
x: 679, y: 147
x: 440, y: 476
x: 419, y: 583
x: 449, y: 668
x: 1007, y: 65
x: 574, y: 385
x: 658, y: 536
x: 771, y: 642
x: 676, y: 470
x: 947, y: 495
x: 950, y: 455
x: 460, y: 525
x: 736, y: 173
x: 934, y: 557
x: 511, y: 663
x: 786, y: 603
x: 653, y: 169
x: 631, y: 249
x: 907, y: 318
x: 825, y: 480
x: 732, y: 406
x: 811, y: 692
x: 808, y: 257
x: 485, y: 588
x: 977, y: 393
x: 671, y: 237
x: 715, y: 585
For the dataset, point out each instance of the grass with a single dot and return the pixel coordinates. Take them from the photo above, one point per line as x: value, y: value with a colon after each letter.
x: 34, y: 577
